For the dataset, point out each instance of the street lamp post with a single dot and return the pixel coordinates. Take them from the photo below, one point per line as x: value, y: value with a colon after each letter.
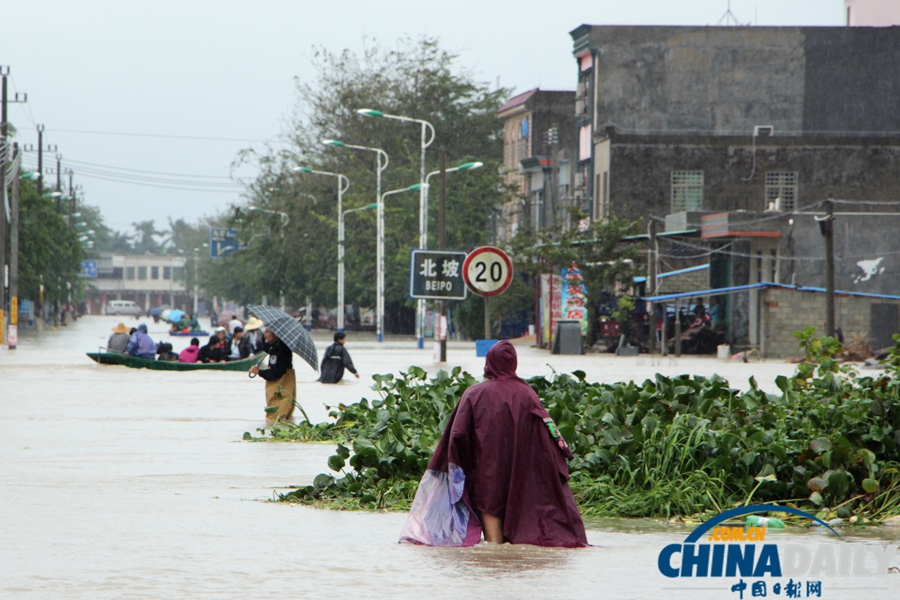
x: 284, y: 215
x: 423, y: 200
x: 343, y: 186
x: 379, y: 316
x: 372, y: 206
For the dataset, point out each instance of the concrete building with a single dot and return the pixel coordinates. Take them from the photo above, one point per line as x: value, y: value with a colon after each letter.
x: 148, y: 280
x: 661, y: 101
x: 736, y: 137
x: 538, y: 159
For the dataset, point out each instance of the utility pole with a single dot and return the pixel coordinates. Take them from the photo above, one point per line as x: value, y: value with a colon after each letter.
x: 14, y: 258
x: 70, y: 173
x: 827, y: 227
x: 58, y: 183
x: 40, y: 149
x: 651, y: 284
x: 442, y: 244
x: 4, y: 159
x: 4, y: 71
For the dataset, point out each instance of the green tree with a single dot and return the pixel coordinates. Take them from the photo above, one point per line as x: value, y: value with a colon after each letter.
x: 418, y: 79
x: 144, y: 240
x: 49, y: 251
x: 606, y: 261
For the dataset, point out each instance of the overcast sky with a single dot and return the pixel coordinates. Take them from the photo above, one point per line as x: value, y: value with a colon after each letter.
x: 106, y: 76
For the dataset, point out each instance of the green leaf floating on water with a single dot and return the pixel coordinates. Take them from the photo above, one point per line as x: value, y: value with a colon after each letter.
x: 820, y: 445
x: 335, y: 462
x: 870, y: 485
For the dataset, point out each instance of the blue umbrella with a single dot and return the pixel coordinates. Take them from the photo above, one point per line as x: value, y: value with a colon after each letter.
x: 289, y: 331
x: 175, y: 315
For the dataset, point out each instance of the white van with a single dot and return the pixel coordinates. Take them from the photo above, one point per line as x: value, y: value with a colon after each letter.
x: 123, y: 307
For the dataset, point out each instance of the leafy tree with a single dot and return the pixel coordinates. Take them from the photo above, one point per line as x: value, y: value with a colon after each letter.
x: 417, y: 79
x: 49, y: 251
x: 606, y: 262
x: 144, y: 242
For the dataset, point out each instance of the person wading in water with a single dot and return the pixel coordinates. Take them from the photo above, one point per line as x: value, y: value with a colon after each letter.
x: 335, y: 360
x: 281, y: 383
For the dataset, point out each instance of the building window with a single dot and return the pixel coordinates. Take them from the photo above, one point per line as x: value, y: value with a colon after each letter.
x: 167, y: 272
x: 142, y: 272
x: 781, y: 190
x: 687, y: 190
x: 129, y: 272
x: 178, y: 274
x: 154, y: 272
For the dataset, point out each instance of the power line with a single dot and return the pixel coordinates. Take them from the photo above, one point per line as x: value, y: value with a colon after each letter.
x: 143, y: 171
x: 164, y: 136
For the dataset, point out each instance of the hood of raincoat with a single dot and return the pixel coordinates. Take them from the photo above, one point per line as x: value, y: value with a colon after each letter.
x: 142, y: 328
x: 501, y: 361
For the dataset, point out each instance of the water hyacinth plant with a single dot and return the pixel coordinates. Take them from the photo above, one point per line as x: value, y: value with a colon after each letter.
x: 828, y: 443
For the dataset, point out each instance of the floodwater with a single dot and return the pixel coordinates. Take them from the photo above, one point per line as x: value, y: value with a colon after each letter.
x: 125, y: 483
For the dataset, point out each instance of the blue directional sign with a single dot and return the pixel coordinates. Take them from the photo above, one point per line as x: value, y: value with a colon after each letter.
x: 222, y: 241
x: 436, y: 274
x: 89, y: 269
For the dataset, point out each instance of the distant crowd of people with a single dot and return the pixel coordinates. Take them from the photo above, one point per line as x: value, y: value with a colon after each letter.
x: 236, y: 342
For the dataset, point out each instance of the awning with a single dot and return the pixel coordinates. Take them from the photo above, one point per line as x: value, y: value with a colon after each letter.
x: 763, y: 284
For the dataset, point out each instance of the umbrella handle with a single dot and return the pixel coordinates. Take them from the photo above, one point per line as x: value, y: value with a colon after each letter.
x: 252, y: 375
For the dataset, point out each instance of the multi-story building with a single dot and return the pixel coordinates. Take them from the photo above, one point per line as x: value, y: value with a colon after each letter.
x: 754, y: 128
x: 148, y: 280
x: 538, y: 153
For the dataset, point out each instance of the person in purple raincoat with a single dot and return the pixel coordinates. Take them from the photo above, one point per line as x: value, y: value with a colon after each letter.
x: 500, y: 467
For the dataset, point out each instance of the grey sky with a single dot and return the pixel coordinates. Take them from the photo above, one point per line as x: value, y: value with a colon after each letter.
x: 225, y: 69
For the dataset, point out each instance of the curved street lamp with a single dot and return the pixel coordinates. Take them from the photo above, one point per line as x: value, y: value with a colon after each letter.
x: 284, y: 215
x: 372, y: 206
x: 379, y: 310
x: 343, y: 186
x: 423, y: 198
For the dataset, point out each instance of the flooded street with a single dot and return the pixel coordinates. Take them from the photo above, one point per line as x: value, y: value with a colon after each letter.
x: 126, y: 483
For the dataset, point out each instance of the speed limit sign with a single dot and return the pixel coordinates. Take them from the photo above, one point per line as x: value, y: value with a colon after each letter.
x: 487, y: 271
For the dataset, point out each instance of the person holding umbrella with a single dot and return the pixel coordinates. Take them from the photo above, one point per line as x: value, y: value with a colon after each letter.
x: 283, y: 336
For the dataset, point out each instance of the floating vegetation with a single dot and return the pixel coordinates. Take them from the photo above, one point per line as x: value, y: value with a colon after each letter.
x: 828, y: 443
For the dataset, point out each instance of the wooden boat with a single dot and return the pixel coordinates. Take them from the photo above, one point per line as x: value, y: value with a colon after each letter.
x: 135, y: 362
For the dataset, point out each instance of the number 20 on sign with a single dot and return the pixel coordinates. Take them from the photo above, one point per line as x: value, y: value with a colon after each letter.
x: 487, y: 271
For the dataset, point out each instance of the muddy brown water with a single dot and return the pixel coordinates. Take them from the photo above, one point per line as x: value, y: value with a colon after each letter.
x: 125, y: 483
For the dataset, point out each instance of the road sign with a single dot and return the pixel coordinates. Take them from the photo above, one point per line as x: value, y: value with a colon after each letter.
x: 436, y: 275
x: 222, y: 241
x: 488, y: 271
x: 89, y: 269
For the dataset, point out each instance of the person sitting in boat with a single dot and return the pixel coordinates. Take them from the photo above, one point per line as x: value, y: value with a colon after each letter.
x: 194, y: 324
x: 118, y: 341
x: 233, y: 324
x: 183, y: 324
x: 164, y: 352
x: 238, y: 347
x: 191, y: 353
x: 141, y: 344
x: 223, y: 335
x: 213, y: 351
x: 253, y: 333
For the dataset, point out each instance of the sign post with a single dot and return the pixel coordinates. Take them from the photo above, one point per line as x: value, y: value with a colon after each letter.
x: 222, y: 241
x: 436, y: 275
x: 488, y: 271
